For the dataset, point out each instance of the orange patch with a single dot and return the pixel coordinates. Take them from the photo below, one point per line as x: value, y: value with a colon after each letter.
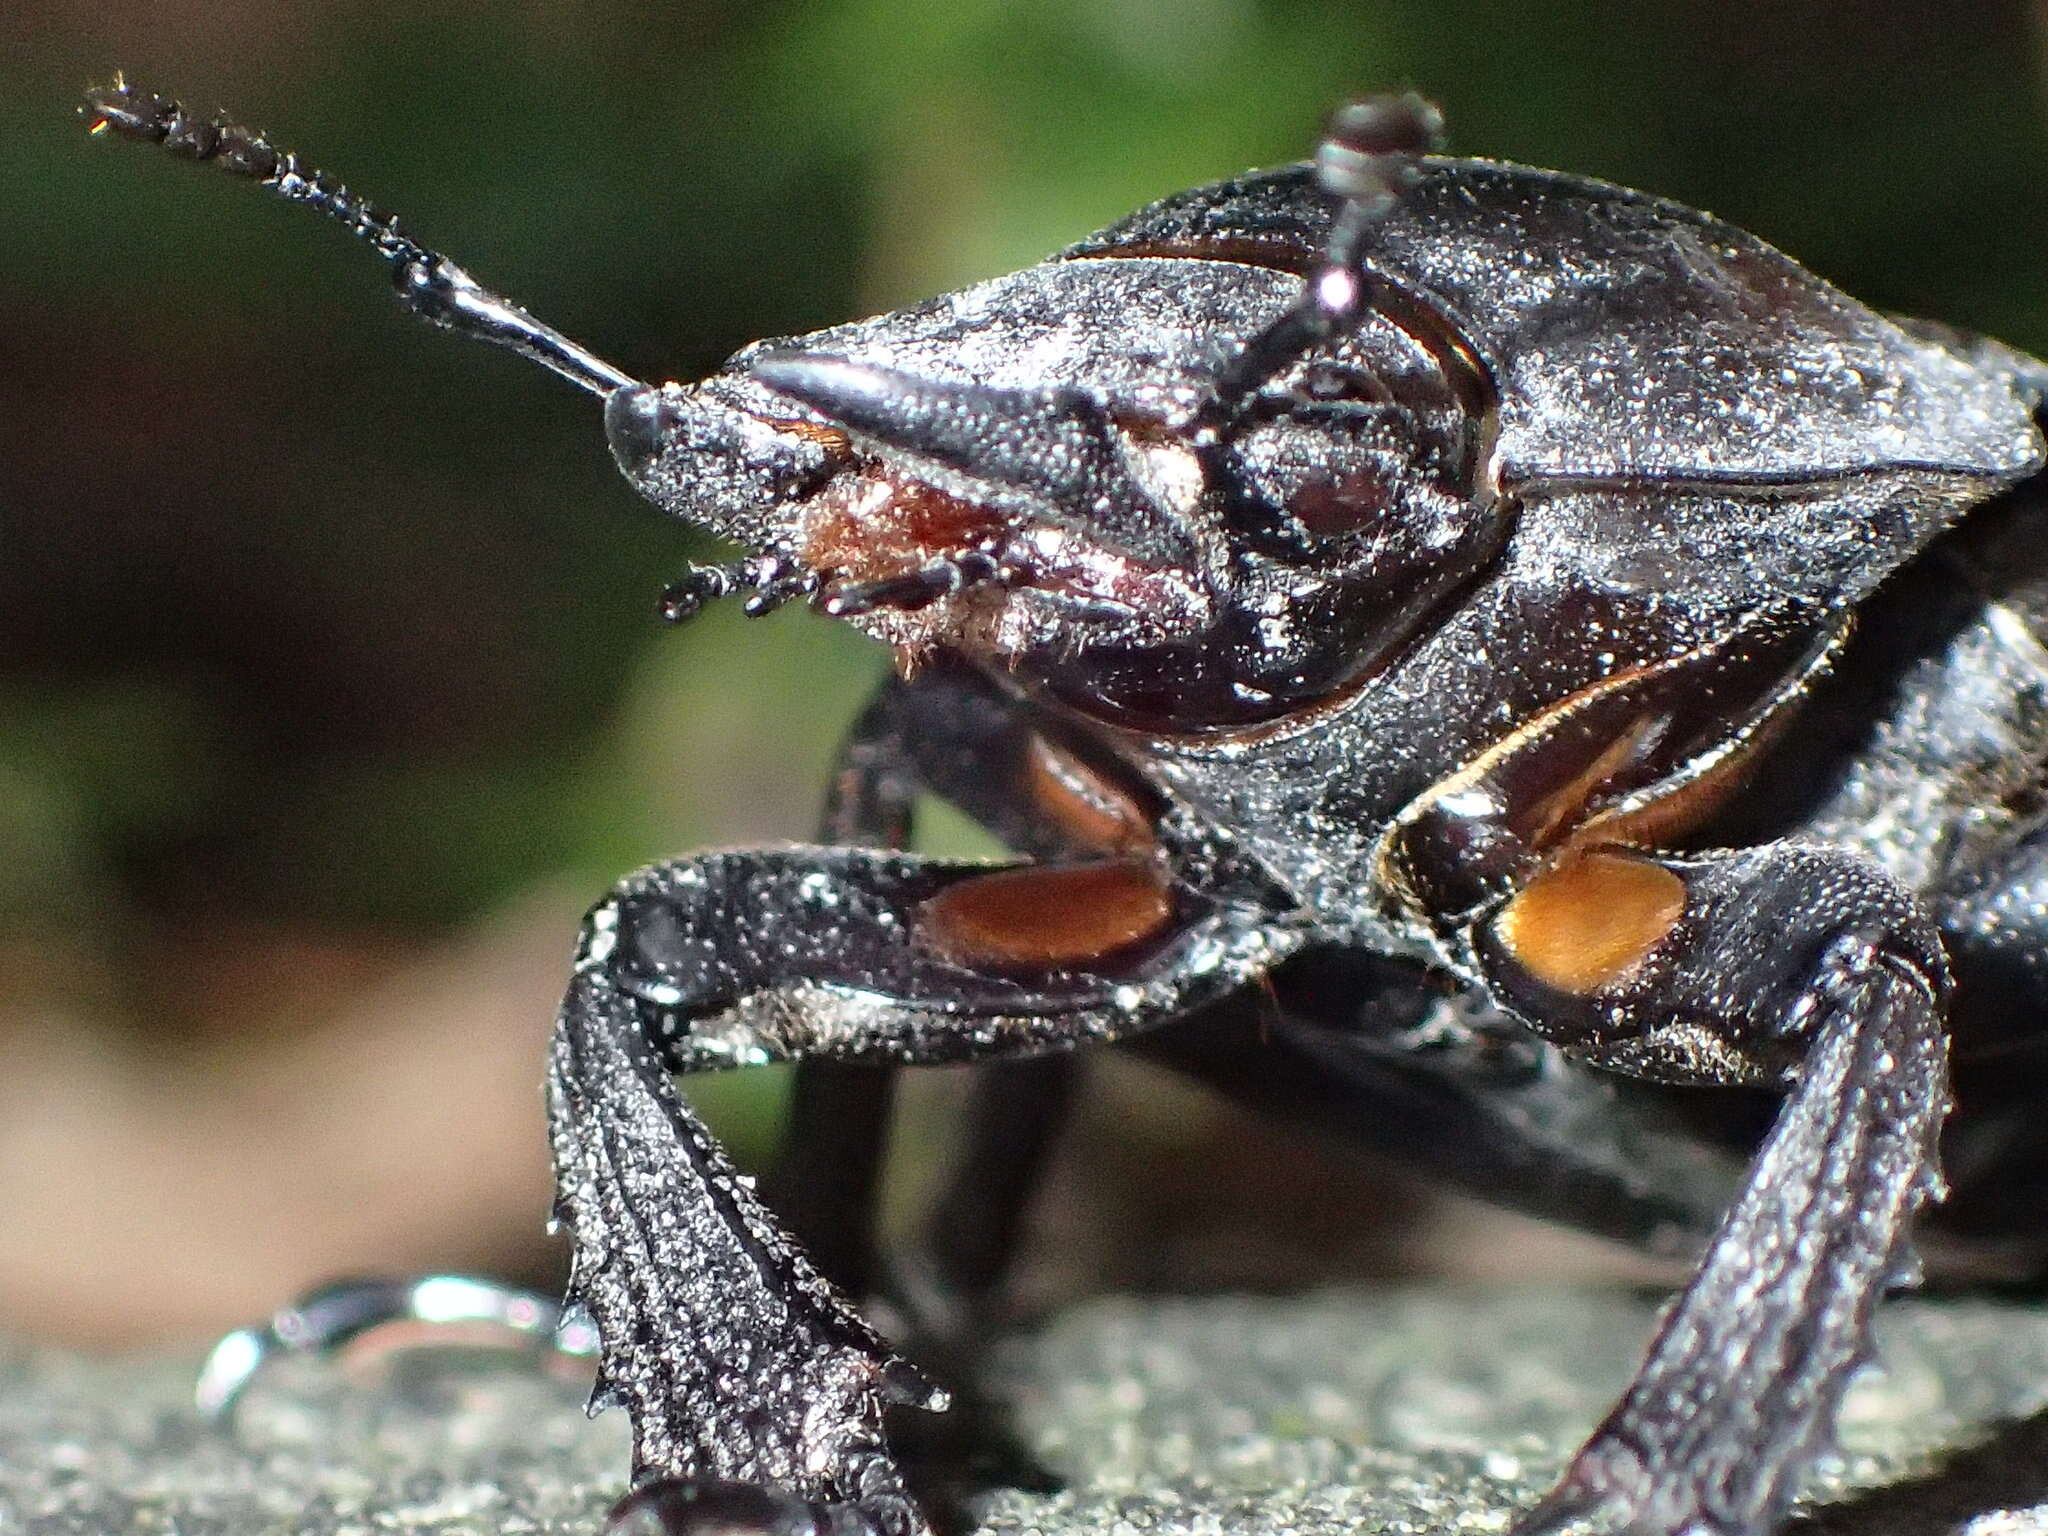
x: 1045, y: 917
x: 1090, y: 809
x: 1566, y: 804
x: 1587, y: 923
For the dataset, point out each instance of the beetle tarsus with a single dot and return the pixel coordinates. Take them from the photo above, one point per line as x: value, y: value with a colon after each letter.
x: 335, y: 1317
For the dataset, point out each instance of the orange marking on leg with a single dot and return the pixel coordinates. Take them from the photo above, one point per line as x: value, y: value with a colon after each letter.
x: 1084, y: 804
x: 1587, y: 923
x: 1043, y: 917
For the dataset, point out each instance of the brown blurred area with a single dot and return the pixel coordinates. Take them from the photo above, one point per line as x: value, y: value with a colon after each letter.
x: 330, y: 686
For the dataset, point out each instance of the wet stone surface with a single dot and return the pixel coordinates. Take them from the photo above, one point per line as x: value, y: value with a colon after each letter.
x: 1347, y: 1412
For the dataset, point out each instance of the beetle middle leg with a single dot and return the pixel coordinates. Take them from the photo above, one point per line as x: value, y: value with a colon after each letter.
x: 949, y: 734
x: 826, y: 1178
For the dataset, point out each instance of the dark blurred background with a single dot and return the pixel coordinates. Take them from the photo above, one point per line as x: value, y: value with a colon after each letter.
x: 330, y: 684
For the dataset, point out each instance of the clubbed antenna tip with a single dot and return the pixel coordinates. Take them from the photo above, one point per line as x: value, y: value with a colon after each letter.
x: 429, y: 284
x: 1371, y: 147
x: 1369, y: 159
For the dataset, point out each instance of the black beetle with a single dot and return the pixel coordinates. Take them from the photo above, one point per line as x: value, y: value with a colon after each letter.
x: 1428, y: 591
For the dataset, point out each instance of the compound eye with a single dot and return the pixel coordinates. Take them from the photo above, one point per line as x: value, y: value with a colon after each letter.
x: 1353, y: 500
x: 1329, y: 471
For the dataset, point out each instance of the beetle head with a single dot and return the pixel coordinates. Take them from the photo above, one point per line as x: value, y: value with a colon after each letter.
x: 1179, y: 492
x: 1177, y: 489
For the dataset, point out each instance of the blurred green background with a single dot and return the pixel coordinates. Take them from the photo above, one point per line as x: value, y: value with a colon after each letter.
x: 330, y: 683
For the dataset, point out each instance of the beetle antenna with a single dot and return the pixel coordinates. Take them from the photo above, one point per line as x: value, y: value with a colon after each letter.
x: 429, y: 284
x: 1369, y: 157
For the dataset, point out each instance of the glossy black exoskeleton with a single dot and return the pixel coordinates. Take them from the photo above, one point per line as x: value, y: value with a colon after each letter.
x: 1551, y: 643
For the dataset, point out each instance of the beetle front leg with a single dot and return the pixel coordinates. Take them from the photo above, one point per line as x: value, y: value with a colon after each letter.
x: 741, y: 1368
x: 756, y: 1393
x: 1791, y: 963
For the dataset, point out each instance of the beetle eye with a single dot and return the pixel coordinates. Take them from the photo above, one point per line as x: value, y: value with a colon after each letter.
x: 1330, y: 506
x: 1330, y: 470
x: 1324, y: 380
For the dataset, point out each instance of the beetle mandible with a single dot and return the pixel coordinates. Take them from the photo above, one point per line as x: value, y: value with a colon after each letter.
x: 1426, y: 589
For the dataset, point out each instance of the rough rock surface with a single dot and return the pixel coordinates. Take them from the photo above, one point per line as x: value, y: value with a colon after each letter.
x: 1421, y: 1411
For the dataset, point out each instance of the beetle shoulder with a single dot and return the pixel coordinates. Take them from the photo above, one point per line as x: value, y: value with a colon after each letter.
x: 1631, y: 338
